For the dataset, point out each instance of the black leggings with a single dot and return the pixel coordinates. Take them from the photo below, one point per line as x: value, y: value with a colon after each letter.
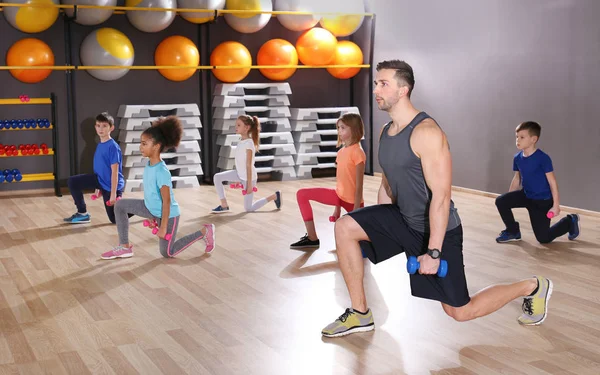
x: 82, y: 182
x: 538, y: 209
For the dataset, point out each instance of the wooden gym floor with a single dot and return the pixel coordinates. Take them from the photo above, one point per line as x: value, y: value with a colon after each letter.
x: 256, y: 307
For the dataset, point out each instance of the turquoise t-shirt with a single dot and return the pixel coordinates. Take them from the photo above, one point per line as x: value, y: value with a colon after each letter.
x: 155, y: 177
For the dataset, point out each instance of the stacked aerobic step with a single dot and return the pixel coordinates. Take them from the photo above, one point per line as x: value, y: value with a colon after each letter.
x: 270, y: 103
x: 184, y: 162
x: 315, y: 137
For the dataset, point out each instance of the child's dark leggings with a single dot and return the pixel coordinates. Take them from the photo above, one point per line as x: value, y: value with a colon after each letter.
x: 538, y: 209
x: 77, y: 184
x: 168, y: 249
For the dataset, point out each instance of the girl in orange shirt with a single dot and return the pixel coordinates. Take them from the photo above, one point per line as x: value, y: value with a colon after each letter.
x: 349, y: 176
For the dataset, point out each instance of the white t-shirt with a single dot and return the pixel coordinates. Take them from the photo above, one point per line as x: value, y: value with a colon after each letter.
x: 240, y: 159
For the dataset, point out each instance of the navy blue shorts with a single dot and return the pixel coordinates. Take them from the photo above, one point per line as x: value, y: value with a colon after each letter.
x: 390, y: 235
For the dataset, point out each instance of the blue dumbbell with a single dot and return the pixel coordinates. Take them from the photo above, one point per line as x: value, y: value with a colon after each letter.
x: 6, y: 171
x: 14, y: 124
x: 18, y: 177
x: 47, y: 123
x: 412, y: 266
x: 9, y: 178
x: 15, y: 171
x: 1, y: 178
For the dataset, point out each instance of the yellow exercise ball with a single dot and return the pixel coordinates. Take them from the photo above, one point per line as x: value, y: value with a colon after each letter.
x: 342, y: 25
x: 243, y: 5
x: 173, y: 51
x: 199, y: 17
x: 31, y: 19
x: 227, y: 54
x: 346, y: 53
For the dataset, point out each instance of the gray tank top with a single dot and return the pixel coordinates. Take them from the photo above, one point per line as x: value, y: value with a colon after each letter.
x: 404, y: 173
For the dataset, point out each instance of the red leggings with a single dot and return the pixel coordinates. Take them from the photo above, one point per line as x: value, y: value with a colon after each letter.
x: 322, y: 195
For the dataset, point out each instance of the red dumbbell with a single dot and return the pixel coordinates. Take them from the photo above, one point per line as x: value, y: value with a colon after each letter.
x: 44, y: 146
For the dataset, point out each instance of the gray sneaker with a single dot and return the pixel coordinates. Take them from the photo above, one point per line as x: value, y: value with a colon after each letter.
x: 535, y: 308
x: 349, y: 322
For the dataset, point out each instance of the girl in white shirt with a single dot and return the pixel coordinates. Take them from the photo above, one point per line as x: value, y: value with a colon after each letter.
x: 249, y: 128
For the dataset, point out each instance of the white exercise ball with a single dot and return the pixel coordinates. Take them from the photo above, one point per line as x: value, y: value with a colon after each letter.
x: 105, y: 47
x: 248, y: 23
x: 90, y: 17
x: 153, y: 21
x: 297, y: 22
x: 199, y: 17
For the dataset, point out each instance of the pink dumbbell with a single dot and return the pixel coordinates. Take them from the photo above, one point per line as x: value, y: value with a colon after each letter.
x: 154, y: 225
x: 109, y: 204
x: 95, y: 196
x: 550, y: 215
x: 237, y: 185
x: 254, y: 189
x: 333, y: 219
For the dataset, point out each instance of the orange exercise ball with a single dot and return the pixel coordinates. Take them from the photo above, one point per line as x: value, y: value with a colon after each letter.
x: 173, y: 51
x: 316, y: 47
x: 277, y: 52
x: 227, y: 54
x: 30, y: 52
x: 346, y: 53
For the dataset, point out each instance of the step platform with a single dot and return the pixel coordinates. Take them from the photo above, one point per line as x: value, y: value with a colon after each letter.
x: 315, y: 158
x: 250, y: 101
x: 263, y: 150
x: 158, y: 110
x: 144, y: 123
x: 316, y: 136
x: 313, y: 125
x: 242, y: 89
x: 265, y: 138
x: 267, y: 125
x: 179, y: 182
x: 133, y: 161
x: 310, y: 148
x: 234, y: 113
x: 305, y: 171
x: 185, y: 147
x: 135, y: 136
x: 176, y: 170
x: 260, y: 161
x: 320, y: 113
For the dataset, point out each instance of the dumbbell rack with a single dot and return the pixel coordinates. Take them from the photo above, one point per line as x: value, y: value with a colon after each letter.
x: 49, y: 176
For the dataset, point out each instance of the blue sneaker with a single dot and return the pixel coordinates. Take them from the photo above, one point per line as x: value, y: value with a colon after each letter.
x: 506, y: 236
x: 574, y: 232
x: 278, y: 199
x: 78, y: 218
x: 220, y: 210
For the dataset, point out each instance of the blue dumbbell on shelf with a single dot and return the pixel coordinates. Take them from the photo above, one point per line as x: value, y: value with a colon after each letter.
x: 412, y: 266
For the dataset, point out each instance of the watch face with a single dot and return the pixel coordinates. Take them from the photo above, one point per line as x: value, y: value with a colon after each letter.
x: 435, y: 253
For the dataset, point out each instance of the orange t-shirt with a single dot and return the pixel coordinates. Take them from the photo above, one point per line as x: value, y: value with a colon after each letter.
x: 347, y: 159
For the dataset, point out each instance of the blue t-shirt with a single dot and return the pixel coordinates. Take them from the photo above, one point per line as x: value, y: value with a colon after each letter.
x: 155, y: 177
x: 533, y: 169
x: 107, y: 154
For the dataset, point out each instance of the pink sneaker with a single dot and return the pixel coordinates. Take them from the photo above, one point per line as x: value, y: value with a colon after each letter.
x: 118, y: 252
x: 209, y: 237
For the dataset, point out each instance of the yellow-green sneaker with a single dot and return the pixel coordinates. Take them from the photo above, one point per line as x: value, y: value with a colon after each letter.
x: 535, y: 308
x: 349, y: 322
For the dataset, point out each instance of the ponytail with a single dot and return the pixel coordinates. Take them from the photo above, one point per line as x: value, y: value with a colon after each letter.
x: 254, y: 124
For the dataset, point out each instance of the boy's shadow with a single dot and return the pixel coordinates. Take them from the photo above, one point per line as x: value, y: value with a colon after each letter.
x: 87, y: 130
x: 562, y: 252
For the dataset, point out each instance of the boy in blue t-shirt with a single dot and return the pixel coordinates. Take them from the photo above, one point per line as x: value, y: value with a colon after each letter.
x: 539, y: 193
x: 107, y: 177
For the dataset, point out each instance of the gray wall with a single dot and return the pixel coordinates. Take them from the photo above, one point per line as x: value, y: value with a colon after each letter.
x: 482, y: 67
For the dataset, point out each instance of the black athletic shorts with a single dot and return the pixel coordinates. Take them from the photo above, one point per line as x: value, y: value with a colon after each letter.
x: 390, y: 235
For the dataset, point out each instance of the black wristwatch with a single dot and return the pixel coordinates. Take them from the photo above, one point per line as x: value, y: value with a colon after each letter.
x: 434, y: 253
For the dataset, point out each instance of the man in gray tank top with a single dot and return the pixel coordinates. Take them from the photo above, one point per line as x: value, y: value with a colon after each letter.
x: 416, y: 216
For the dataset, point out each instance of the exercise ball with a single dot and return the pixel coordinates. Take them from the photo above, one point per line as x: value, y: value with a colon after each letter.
x: 30, y: 52
x: 197, y: 17
x: 151, y: 22
x: 106, y: 47
x: 297, y: 22
x: 248, y: 23
x: 31, y: 19
x: 177, y: 50
x: 316, y: 47
x: 227, y: 54
x: 90, y: 17
x: 346, y: 53
x: 277, y: 52
x: 342, y: 25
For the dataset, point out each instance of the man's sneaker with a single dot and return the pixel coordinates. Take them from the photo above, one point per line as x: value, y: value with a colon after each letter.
x: 118, y: 252
x: 535, y: 308
x: 506, y: 236
x: 350, y: 322
x: 209, y: 237
x: 306, y: 243
x: 278, y: 201
x: 78, y: 218
x: 574, y: 232
x: 220, y: 210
